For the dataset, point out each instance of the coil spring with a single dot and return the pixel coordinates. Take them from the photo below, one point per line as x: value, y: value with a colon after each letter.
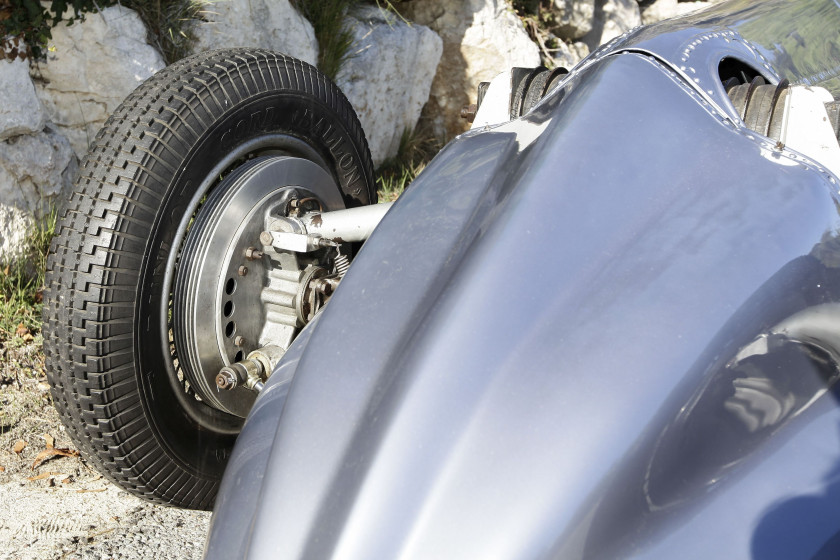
x: 342, y: 263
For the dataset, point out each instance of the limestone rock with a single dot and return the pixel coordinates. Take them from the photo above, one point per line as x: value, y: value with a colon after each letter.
x: 15, y: 228
x: 480, y: 39
x: 572, y: 19
x: 94, y: 66
x: 270, y: 24
x: 35, y: 170
x: 658, y: 10
x: 568, y: 55
x: 20, y: 110
x: 580, y: 50
x: 612, y: 18
x: 388, y: 76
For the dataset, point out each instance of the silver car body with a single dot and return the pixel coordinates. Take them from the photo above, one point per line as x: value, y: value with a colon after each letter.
x: 608, y: 329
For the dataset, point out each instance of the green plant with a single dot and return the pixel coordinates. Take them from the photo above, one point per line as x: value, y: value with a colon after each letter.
x: 33, y: 21
x: 529, y: 7
x: 538, y: 19
x: 21, y: 285
x: 390, y: 6
x: 331, y: 31
x: 26, y: 25
x: 170, y: 23
x: 395, y: 174
x: 335, y: 39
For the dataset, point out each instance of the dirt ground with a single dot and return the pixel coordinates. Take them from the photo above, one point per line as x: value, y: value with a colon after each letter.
x: 53, y: 505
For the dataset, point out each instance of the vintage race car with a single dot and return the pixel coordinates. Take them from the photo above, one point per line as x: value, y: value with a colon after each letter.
x: 604, y: 323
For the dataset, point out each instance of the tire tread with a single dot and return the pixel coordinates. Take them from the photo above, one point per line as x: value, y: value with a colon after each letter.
x: 92, y: 272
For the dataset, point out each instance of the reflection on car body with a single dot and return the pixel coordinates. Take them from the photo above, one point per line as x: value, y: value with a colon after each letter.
x: 601, y: 324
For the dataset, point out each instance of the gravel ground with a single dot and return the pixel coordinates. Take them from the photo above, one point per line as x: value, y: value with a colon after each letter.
x: 61, y: 507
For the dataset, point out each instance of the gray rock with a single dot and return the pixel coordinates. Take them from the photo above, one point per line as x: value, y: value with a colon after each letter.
x: 480, y: 39
x: 15, y: 227
x: 41, y: 166
x: 568, y: 55
x: 612, y: 18
x: 95, y: 64
x: 572, y: 19
x: 579, y: 49
x: 35, y: 170
x: 20, y: 111
x: 658, y: 10
x: 270, y: 24
x: 388, y: 76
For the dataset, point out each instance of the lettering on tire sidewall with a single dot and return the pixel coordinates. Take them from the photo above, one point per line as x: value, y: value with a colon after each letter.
x: 310, y: 122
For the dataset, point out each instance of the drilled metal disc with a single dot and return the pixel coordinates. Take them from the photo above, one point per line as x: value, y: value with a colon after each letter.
x: 216, y: 304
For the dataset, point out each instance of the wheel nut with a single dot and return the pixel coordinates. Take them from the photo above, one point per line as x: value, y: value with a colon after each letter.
x: 239, y: 341
x: 252, y: 253
x: 226, y: 379
x: 243, y: 270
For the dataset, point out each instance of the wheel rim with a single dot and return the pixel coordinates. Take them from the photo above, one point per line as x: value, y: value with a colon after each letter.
x: 217, y: 311
x: 187, y: 391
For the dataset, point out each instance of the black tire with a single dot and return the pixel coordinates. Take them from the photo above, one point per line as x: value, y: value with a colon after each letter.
x: 113, y: 382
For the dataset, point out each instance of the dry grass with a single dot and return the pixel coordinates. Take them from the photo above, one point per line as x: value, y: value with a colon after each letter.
x: 417, y: 148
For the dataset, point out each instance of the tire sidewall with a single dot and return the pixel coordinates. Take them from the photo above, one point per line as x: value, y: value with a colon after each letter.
x: 293, y: 114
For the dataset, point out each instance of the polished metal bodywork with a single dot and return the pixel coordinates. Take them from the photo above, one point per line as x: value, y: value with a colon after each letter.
x: 606, y: 330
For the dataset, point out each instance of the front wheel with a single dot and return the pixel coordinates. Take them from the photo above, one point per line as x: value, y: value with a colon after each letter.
x: 141, y: 280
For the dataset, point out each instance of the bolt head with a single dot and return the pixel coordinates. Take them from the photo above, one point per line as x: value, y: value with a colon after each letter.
x: 243, y: 270
x: 468, y: 112
x: 225, y: 380
x: 252, y: 253
x: 239, y: 341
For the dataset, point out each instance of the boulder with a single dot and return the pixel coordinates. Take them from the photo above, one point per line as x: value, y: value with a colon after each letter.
x: 388, y: 76
x: 481, y: 38
x: 91, y: 68
x: 20, y: 111
x: 35, y: 171
x: 571, y: 19
x: 270, y: 24
x: 612, y: 18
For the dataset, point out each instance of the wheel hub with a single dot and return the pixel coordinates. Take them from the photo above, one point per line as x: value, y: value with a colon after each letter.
x: 219, y: 312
